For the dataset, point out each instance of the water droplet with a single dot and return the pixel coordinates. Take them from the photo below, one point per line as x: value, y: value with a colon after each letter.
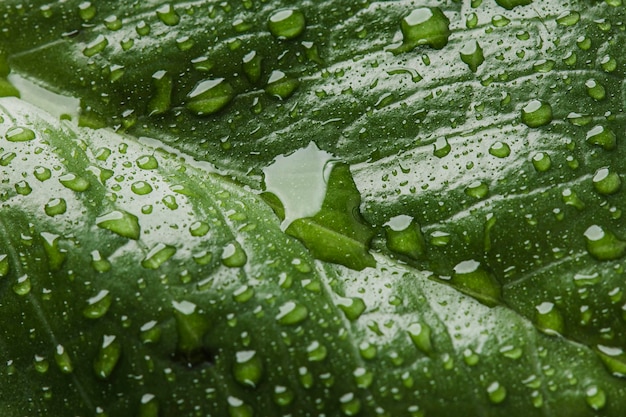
x: 543, y: 65
x: 595, y: 90
x: 477, y: 189
x: 511, y: 352
x: 367, y: 350
x: 243, y: 294
x: 98, y: 305
x: 19, y: 134
x: 86, y: 10
x: 316, y: 352
x: 438, y: 238
x: 22, y: 286
x: 159, y: 254
x: 149, y: 406
x: 291, y: 313
x: 63, y: 361
x: 23, y: 188
x: 56, y: 255
x: 252, y: 66
x: 614, y: 359
x: 287, y: 24
x: 248, y: 368
x: 404, y: 237
x: 608, y: 63
x: 500, y: 150
x: 595, y: 397
x: 191, y: 327
x: 500, y: 21
x: 350, y: 405
x: 185, y: 43
x: 121, y: 223
x: 420, y: 334
x: 281, y: 86
x: 96, y: 46
x: 549, y: 319
x: 4, y: 265
x: 41, y: 364
x: 425, y: 26
x: 210, y: 96
x: 238, y: 408
x: 363, y: 378
x: 509, y: 4
x: 283, y: 396
x: 55, y: 207
x: 496, y: 392
x: 147, y: 162
x: 568, y: 18
x: 470, y: 357
x: 306, y: 377
x: 142, y: 28
x: 441, y: 147
x: 141, y: 188
x: 199, y: 229
x: 162, y: 84
x: 167, y: 14
x: 352, y: 307
x: 471, y: 21
x: 472, y: 279
x: 150, y: 332
x: 604, y: 245
x: 536, y: 113
x: 542, y: 162
x: 606, y: 181
x: 42, y: 173
x: 603, y: 137
x: 74, y: 182
x: 108, y: 357
x: 234, y: 256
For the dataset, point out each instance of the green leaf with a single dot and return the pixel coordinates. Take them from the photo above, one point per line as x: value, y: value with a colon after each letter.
x: 139, y: 280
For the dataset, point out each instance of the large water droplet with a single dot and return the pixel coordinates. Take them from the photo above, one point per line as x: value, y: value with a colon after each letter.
x: 280, y: 85
x: 248, y: 368
x: 606, y: 181
x: 121, y: 223
x: 350, y: 404
x: 191, y: 327
x: 614, y: 359
x: 74, y: 182
x: 63, y: 360
x: 404, y: 237
x: 601, y: 136
x: 496, y: 392
x: 595, y: 397
x: 283, y: 396
x: 210, y: 96
x: 287, y: 24
x: 352, y: 307
x: 604, y: 245
x: 55, y: 207
x: 159, y: 254
x: 98, y: 305
x: 420, y: 334
x: 161, y: 100
x: 549, y: 319
x: 252, y: 66
x: 536, y: 113
x: 234, y: 256
x: 168, y: 15
x: 108, y: 357
x: 96, y: 46
x: 238, y: 408
x: 425, y: 26
x: 56, y: 255
x: 149, y: 406
x: 509, y: 4
x: 19, y: 134
x: 472, y: 55
x: 568, y: 18
x: 471, y: 278
x: 22, y: 285
x: 291, y: 313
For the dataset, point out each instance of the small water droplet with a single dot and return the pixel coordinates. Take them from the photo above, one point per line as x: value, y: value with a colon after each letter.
x: 20, y: 134
x: 86, y: 10
x: 4, y: 265
x: 316, y: 352
x: 350, y: 405
x: 441, y: 147
x: 210, y: 96
x: 162, y: 84
x: 238, y: 408
x: 477, y: 189
x: 42, y: 173
x: 595, y: 397
x: 291, y: 313
x: 472, y: 55
x: 149, y: 406
x: 500, y: 21
x: 606, y: 181
x: 500, y: 150
x: 404, y: 237
x: 471, y: 278
x: 543, y: 65
x: 158, y: 255
x: 113, y: 23
x: 147, y: 162
x: 363, y: 378
x: 305, y: 377
x: 55, y: 255
x: 234, y: 256
x: 536, y: 113
x: 420, y: 334
x: 542, y: 162
x: 41, y: 364
x: 248, y: 368
x: 243, y: 294
x: 142, y: 28
x: 150, y: 332
x: 352, y: 307
x: 121, y: 223
x: 96, y: 46
x: 287, y: 24
x: 55, y: 207
x: 568, y: 18
x: 198, y: 229
x: 595, y: 90
x: 614, y: 359
x: 252, y: 66
x: 280, y: 85
x: 603, y: 137
x: 22, y: 286
x: 74, y: 182
x: 23, y: 188
x: 283, y: 396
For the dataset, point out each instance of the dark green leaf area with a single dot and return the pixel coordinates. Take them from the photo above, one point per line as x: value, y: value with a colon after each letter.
x: 337, y: 233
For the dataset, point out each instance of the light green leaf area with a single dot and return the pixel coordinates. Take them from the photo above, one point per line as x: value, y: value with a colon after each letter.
x: 478, y: 208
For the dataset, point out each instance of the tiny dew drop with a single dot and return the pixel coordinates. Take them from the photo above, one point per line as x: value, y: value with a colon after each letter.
x: 167, y: 14
x: 281, y: 86
x: 425, y: 26
x: 147, y: 162
x: 472, y: 55
x: 604, y: 245
x: 22, y: 286
x: 549, y: 319
x: 108, y: 357
x: 500, y: 150
x: 209, y: 96
x: 234, y: 256
x: 595, y: 397
x: 287, y: 24
x: 496, y: 392
x: 159, y: 254
x: 19, y: 134
x: 74, y: 182
x: 283, y: 396
x: 248, y: 368
x: 420, y: 334
x: 536, y: 113
x: 62, y: 359
x: 98, y: 305
x: 542, y: 162
x: 291, y: 313
x: 350, y: 405
x: 606, y: 181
